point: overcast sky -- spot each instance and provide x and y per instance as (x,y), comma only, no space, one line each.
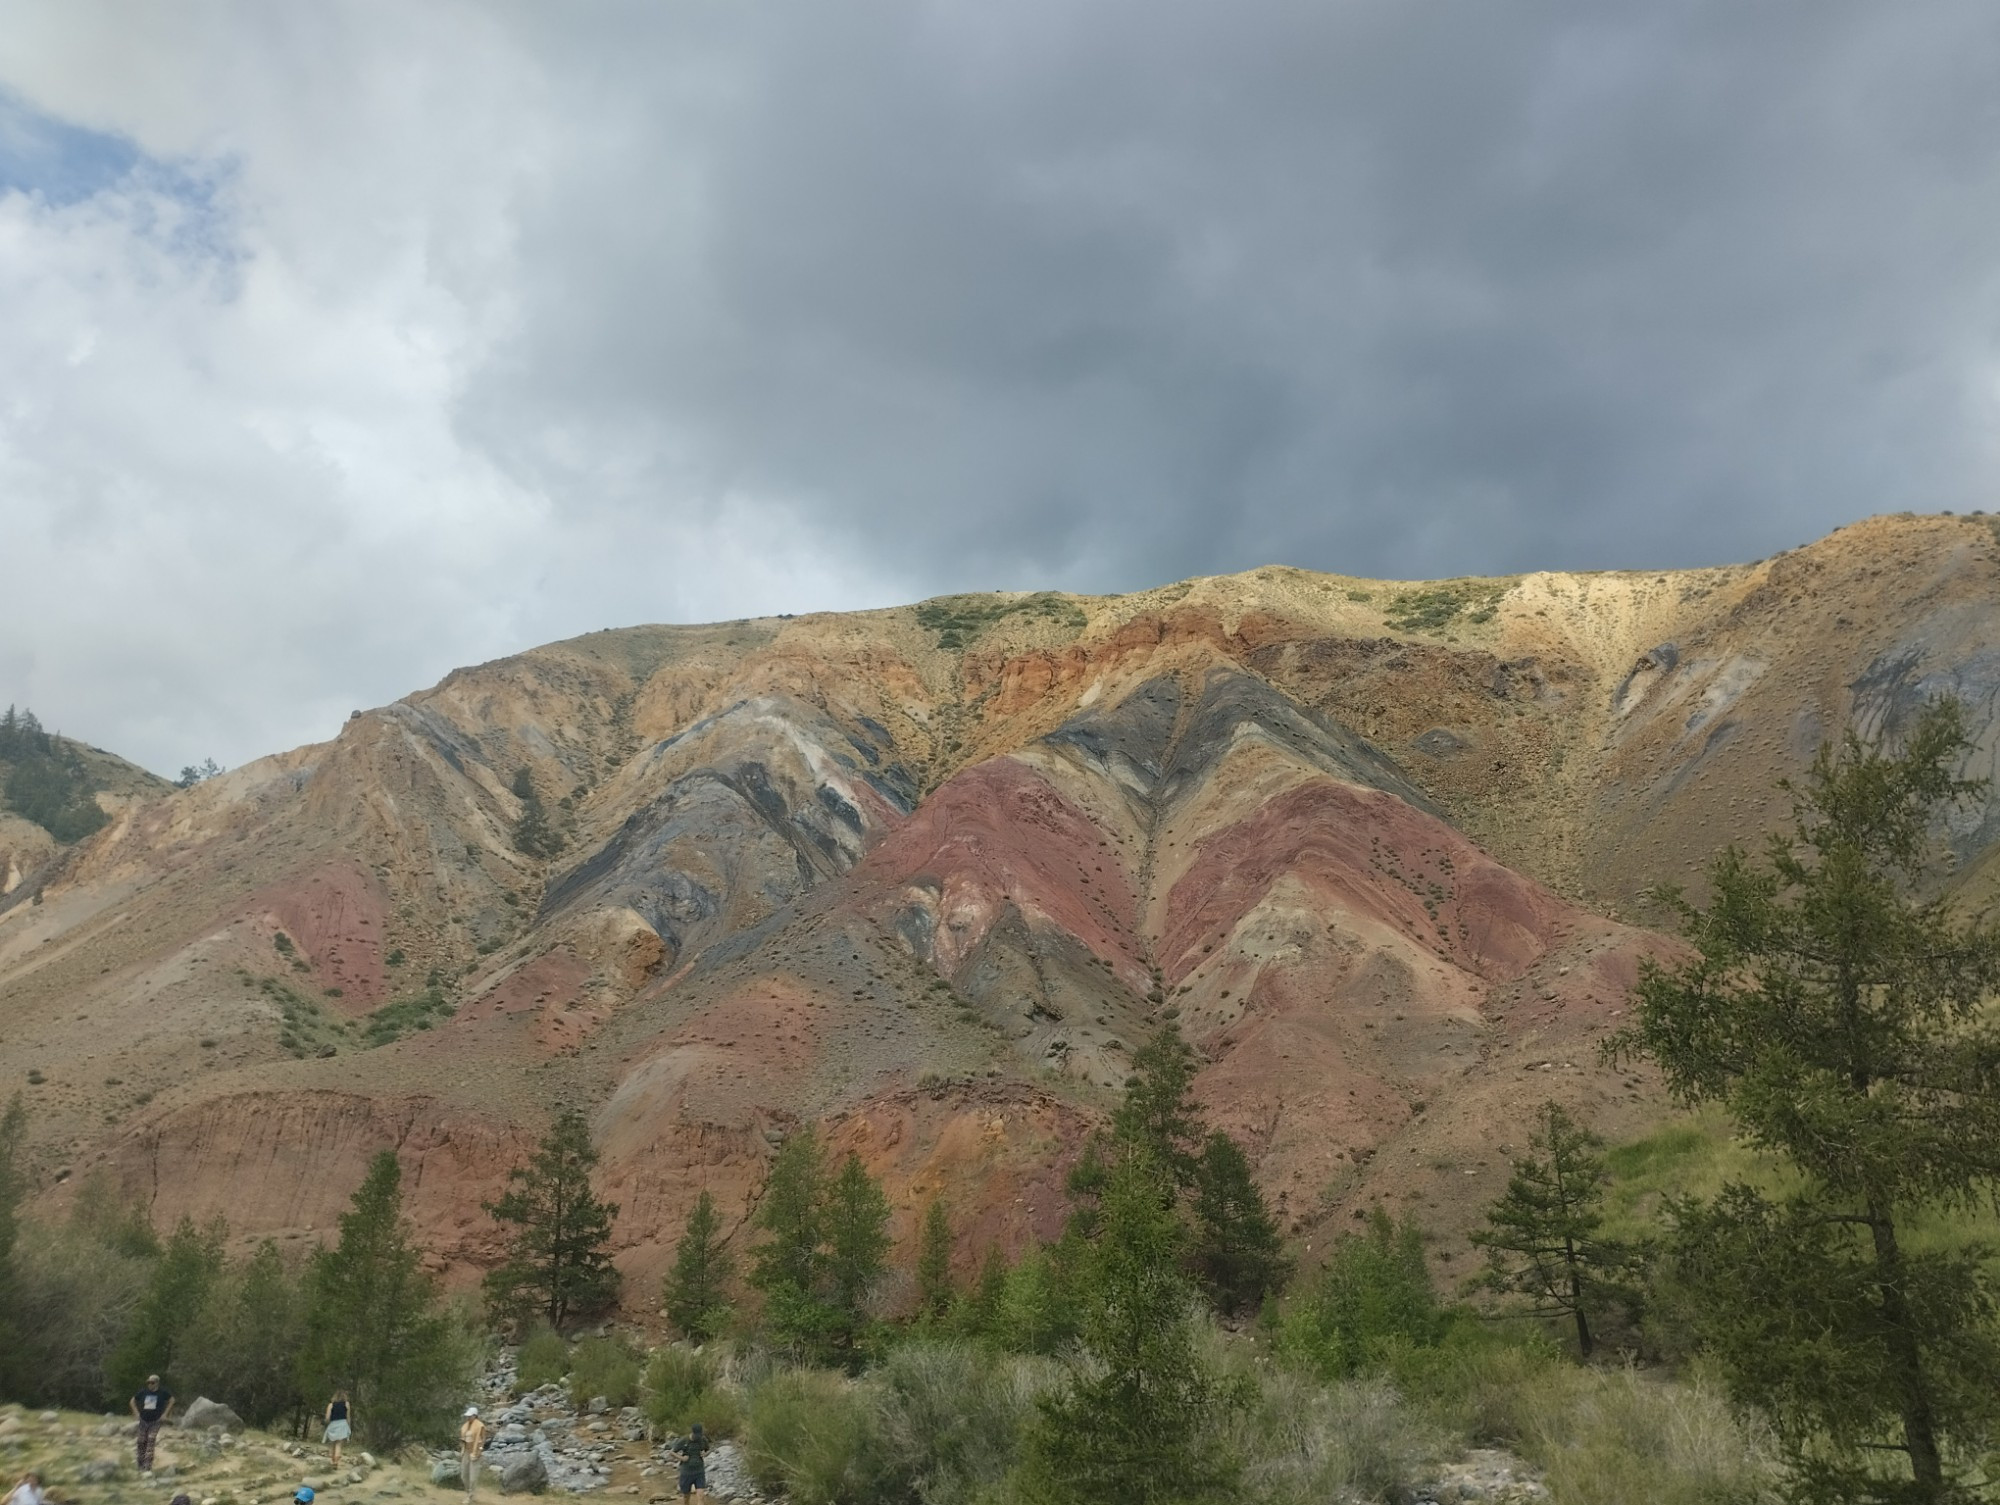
(344,343)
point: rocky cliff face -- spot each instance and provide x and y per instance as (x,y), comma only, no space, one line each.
(928,875)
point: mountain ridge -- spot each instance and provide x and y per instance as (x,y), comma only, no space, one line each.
(928,873)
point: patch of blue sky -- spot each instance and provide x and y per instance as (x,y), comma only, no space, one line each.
(175,203)
(56,161)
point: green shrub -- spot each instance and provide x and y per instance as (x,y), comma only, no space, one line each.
(406,1016)
(1373,1295)
(683,1387)
(1038,1310)
(543,1360)
(609,1367)
(1478,1380)
(953,1420)
(1304,1442)
(815,1437)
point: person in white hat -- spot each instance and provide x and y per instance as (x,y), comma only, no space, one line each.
(471,1443)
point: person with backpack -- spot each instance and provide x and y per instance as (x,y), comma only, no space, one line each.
(693,1453)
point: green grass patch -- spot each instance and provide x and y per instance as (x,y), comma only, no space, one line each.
(1432,608)
(305,1027)
(957,620)
(407,1016)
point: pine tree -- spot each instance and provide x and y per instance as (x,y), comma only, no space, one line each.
(182,1279)
(792,1212)
(1237,1254)
(1541,1238)
(826,1250)
(695,1293)
(979,1314)
(1844,1021)
(373,1326)
(559,1263)
(1137,1425)
(1159,1109)
(857,1236)
(935,1291)
(1372,1296)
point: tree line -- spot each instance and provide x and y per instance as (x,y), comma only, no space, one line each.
(47,780)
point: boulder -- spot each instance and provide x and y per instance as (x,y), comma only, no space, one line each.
(525,1475)
(445,1473)
(206,1413)
(98,1471)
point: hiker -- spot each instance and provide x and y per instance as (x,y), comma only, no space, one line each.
(150,1408)
(694,1464)
(338,1419)
(471,1443)
(28,1491)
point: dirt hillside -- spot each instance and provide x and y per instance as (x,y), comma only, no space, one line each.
(928,874)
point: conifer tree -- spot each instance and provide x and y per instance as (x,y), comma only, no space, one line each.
(826,1249)
(979,1315)
(695,1293)
(857,1235)
(1237,1254)
(1843,1018)
(1541,1238)
(181,1281)
(935,1291)
(793,1213)
(373,1326)
(559,1263)
(1159,1109)
(1137,1425)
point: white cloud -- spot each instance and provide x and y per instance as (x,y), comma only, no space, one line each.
(350,342)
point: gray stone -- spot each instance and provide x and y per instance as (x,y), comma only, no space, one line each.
(206,1413)
(445,1473)
(98,1471)
(525,1475)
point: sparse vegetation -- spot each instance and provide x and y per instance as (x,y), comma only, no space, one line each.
(1432,608)
(407,1016)
(534,834)
(957,620)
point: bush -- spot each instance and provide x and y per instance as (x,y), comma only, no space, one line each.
(683,1387)
(609,1367)
(1624,1435)
(74,1296)
(815,1437)
(1303,1442)
(543,1360)
(1479,1381)
(1373,1295)
(953,1419)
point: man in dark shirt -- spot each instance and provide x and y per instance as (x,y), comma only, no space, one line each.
(150,1406)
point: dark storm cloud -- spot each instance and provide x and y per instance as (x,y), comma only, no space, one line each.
(347,343)
(1115,292)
